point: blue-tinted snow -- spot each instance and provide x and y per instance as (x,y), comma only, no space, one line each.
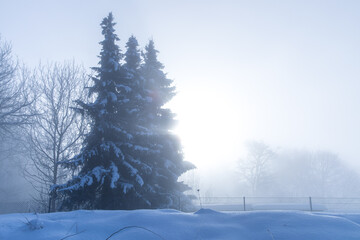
(174,225)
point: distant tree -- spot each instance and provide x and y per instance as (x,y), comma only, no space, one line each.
(110,176)
(312,173)
(327,172)
(349,183)
(57,130)
(293,173)
(16,99)
(254,169)
(13,157)
(166,159)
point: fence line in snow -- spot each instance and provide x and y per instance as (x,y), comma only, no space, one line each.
(316,204)
(281,203)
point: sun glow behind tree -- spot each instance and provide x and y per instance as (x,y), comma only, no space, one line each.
(209,125)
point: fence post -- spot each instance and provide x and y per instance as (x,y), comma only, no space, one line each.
(200,198)
(311,207)
(244,203)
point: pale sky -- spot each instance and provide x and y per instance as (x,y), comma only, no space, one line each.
(284,72)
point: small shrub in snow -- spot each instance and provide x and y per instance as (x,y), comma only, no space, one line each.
(35,224)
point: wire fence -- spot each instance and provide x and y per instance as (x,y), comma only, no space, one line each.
(280,203)
(316,204)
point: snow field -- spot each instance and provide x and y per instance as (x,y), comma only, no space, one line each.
(172,225)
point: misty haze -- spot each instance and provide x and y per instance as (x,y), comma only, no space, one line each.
(201,110)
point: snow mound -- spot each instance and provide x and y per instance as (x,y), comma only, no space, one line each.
(206,211)
(171,224)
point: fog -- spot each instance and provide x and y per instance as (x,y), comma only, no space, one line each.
(284,74)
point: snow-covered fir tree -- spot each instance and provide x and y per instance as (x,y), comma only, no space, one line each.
(130,159)
(166,159)
(110,174)
(132,68)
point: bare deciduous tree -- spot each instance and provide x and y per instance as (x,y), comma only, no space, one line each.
(300,173)
(15,97)
(328,173)
(57,131)
(254,168)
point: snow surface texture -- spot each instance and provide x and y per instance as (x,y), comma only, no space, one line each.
(172,225)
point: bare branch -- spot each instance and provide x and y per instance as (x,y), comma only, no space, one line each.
(15,94)
(58,130)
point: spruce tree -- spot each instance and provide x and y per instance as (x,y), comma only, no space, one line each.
(166,160)
(110,174)
(132,68)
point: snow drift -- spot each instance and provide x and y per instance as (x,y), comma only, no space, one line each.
(171,224)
